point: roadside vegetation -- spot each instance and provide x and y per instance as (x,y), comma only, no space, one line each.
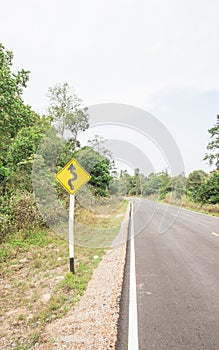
(35,285)
(198,191)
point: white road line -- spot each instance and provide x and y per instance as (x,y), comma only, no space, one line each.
(133,316)
(215,234)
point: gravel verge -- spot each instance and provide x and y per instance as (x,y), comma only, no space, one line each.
(93,323)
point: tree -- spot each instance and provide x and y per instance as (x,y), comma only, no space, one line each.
(136,183)
(165,184)
(125,183)
(24,146)
(21,153)
(213,146)
(99,145)
(178,185)
(209,191)
(77,122)
(14,114)
(194,181)
(67,112)
(151,185)
(100,177)
(98,167)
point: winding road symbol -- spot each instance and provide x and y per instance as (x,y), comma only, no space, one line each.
(72,169)
(73,176)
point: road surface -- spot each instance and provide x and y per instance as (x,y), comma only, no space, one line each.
(176,306)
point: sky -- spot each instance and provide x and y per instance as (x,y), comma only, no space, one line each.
(160,56)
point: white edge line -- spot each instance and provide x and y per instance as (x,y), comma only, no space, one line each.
(215,234)
(133,316)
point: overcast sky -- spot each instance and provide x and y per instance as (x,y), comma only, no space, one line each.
(162,56)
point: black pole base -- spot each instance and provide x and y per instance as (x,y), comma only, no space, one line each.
(72,265)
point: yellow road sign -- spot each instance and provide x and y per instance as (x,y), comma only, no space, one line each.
(72,176)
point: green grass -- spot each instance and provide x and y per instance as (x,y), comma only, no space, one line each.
(99,230)
(22,241)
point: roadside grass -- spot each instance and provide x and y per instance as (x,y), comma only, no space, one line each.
(36,286)
(98,230)
(209,209)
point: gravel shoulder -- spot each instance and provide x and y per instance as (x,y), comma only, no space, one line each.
(93,322)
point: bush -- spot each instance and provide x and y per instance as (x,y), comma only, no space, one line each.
(209,191)
(18,211)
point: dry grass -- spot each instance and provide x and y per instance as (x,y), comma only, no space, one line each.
(212,209)
(35,285)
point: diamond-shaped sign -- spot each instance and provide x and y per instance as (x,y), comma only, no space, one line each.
(73,176)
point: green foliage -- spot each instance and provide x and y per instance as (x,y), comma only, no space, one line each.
(179,186)
(213,147)
(50,149)
(209,191)
(14,114)
(3,172)
(165,185)
(45,167)
(98,167)
(24,145)
(194,181)
(20,157)
(66,153)
(135,184)
(124,183)
(151,185)
(18,211)
(100,177)
(156,185)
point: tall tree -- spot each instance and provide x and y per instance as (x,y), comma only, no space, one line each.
(14,114)
(213,146)
(67,111)
(125,183)
(194,181)
(165,184)
(136,183)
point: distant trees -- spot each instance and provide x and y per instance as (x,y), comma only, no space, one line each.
(199,186)
(213,146)
(154,185)
(151,185)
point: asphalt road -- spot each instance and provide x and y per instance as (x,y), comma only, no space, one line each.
(177,280)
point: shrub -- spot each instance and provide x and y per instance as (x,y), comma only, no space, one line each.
(18,211)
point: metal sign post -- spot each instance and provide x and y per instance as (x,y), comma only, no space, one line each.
(71,232)
(72,177)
